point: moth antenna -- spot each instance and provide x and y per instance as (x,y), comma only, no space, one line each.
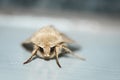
(57,61)
(33,53)
(70,52)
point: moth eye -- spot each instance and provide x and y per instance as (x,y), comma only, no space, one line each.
(52,49)
(41,49)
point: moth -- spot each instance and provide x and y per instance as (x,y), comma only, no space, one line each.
(48,43)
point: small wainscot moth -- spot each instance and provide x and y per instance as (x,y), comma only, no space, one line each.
(48,43)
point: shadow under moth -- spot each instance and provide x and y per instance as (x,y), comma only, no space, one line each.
(48,43)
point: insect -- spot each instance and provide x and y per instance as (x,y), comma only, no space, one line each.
(48,43)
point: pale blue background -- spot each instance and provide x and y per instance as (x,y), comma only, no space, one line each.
(101,51)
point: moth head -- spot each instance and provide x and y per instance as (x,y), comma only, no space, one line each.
(47,52)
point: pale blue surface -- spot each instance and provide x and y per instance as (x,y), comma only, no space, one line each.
(101,51)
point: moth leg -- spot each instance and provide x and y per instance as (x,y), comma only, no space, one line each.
(56,55)
(33,53)
(70,52)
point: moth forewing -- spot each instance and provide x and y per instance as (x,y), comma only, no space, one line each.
(47,42)
(28,45)
(66,38)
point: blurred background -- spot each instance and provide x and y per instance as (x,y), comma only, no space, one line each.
(104,6)
(66,13)
(93,24)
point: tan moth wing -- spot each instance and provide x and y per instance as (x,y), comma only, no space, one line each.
(66,38)
(28,44)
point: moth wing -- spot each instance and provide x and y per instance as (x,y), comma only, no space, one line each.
(66,38)
(28,45)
